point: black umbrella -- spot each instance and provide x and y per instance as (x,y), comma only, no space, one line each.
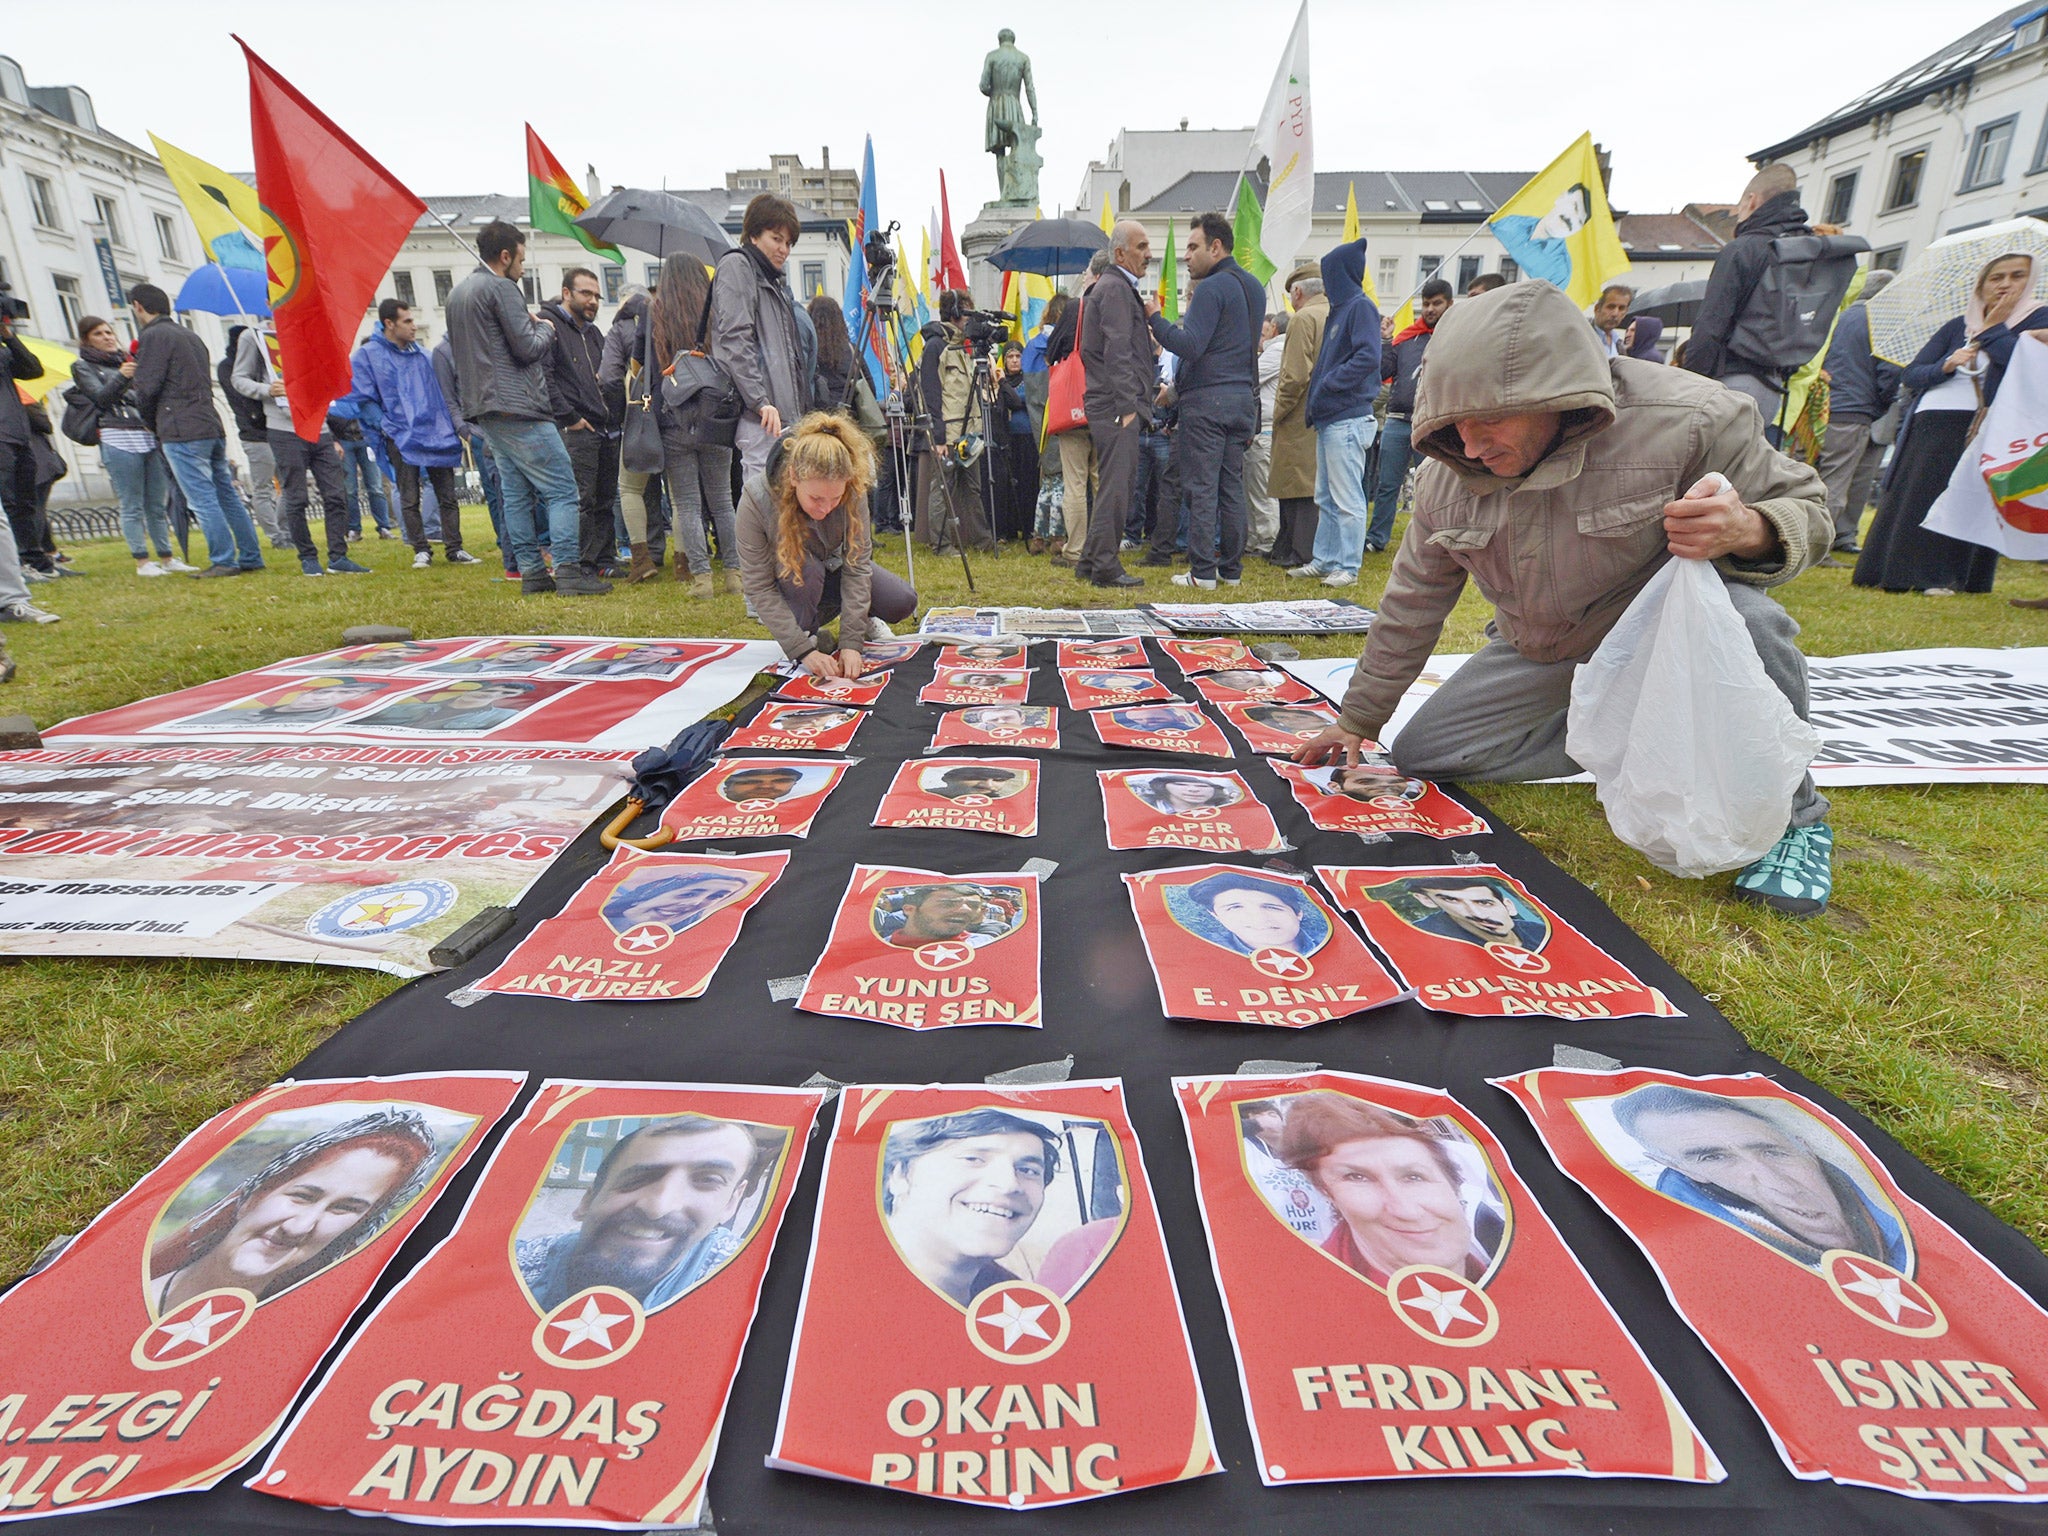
(1674,303)
(659,223)
(1049,247)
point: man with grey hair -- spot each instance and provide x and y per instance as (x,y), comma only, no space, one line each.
(1610,314)
(1116,353)
(1079,473)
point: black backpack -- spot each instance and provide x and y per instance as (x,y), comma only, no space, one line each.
(1792,307)
(248,414)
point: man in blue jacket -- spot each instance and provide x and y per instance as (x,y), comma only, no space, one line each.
(400,396)
(1861,388)
(1341,389)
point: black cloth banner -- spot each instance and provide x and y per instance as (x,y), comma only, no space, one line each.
(1101,1004)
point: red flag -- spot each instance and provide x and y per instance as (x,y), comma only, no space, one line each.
(338,219)
(952,274)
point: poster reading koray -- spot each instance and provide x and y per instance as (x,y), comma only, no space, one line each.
(989,1314)
(1471,939)
(921,950)
(1185,808)
(753,797)
(1399,1304)
(1375,799)
(786,727)
(1252,946)
(605,1273)
(1879,1348)
(1180,728)
(964,794)
(162,1348)
(647,925)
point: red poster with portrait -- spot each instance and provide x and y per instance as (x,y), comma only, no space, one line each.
(1033,727)
(989,1314)
(964,794)
(1278,730)
(646,926)
(162,1348)
(1878,1347)
(955,687)
(790,727)
(982,653)
(1103,687)
(1471,939)
(1375,799)
(1264,685)
(881,655)
(1161,728)
(753,797)
(1186,808)
(1092,655)
(922,950)
(605,1272)
(1252,946)
(859,692)
(1354,1221)
(1194,656)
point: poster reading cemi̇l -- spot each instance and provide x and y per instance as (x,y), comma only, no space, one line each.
(162,1348)
(1102,687)
(989,1314)
(1186,808)
(1375,799)
(924,950)
(1252,946)
(647,925)
(1032,726)
(1878,1347)
(964,794)
(789,727)
(1400,1305)
(753,797)
(605,1272)
(1089,655)
(1178,728)
(1471,939)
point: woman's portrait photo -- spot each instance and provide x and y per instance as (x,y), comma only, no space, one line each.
(1184,794)
(1245,913)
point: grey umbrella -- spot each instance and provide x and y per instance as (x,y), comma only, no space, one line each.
(659,223)
(1674,303)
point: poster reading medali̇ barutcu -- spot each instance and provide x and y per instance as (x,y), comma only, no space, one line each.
(1375,799)
(605,1272)
(989,1314)
(964,794)
(1400,1305)
(160,1350)
(753,797)
(1878,1346)
(1185,808)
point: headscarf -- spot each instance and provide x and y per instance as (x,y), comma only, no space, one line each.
(1973,312)
(1648,329)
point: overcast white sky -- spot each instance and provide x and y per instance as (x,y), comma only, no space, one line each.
(647,89)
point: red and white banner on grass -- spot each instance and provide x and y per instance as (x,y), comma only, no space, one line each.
(1252,947)
(784,727)
(162,1348)
(605,1272)
(753,797)
(1471,939)
(1101,688)
(1180,728)
(1091,655)
(1185,808)
(1399,1303)
(1879,1348)
(959,686)
(1375,799)
(989,1315)
(964,794)
(1034,727)
(1193,656)
(922,950)
(647,925)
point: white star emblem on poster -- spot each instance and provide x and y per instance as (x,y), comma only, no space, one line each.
(1017,1322)
(1879,1294)
(1442,1306)
(197,1327)
(644,939)
(1517,958)
(594,1327)
(945,955)
(1284,964)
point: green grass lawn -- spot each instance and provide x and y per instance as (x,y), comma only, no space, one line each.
(1920,997)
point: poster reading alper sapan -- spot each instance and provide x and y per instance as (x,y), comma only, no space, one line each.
(989,1315)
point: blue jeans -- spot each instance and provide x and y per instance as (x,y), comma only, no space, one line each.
(142,481)
(209,487)
(540,488)
(494,496)
(1395,456)
(1341,534)
(1155,452)
(361,458)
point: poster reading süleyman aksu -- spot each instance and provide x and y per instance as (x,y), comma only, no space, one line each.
(989,1315)
(1399,1304)
(605,1274)
(163,1346)
(1879,1347)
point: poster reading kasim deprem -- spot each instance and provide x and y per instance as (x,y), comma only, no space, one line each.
(753,797)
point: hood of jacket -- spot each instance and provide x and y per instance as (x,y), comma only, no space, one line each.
(1782,215)
(378,339)
(1526,348)
(1344,273)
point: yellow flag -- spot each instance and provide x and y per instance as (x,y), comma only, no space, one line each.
(1351,234)
(1559,228)
(223,208)
(1108,218)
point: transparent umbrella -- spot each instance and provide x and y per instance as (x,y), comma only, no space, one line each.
(1936,285)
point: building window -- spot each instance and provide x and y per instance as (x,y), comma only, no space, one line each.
(814,279)
(1904,190)
(653,270)
(401,288)
(444,281)
(530,286)
(107,214)
(1989,147)
(1468,268)
(1890,259)
(167,237)
(1390,274)
(614,277)
(1426,268)
(70,302)
(1841,198)
(42,202)
(1510,269)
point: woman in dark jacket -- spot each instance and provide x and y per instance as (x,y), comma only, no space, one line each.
(1956,374)
(760,335)
(697,476)
(626,387)
(835,354)
(128,452)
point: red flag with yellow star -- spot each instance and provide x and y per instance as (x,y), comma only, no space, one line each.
(337,219)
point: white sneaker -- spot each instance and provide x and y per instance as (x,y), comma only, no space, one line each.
(1190,579)
(1311,569)
(877,630)
(1341,579)
(422,560)
(461,557)
(150,568)
(178,565)
(1231,581)
(27,613)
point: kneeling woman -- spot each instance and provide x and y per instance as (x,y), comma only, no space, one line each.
(807,552)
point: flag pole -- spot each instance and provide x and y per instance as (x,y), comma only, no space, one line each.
(459,240)
(1441,262)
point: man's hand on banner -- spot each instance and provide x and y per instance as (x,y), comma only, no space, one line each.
(1332,743)
(822,664)
(1710,521)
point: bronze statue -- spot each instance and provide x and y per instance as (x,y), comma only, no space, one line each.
(1006,82)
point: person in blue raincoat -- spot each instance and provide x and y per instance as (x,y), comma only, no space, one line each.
(399,398)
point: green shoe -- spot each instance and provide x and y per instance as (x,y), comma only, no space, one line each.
(1796,877)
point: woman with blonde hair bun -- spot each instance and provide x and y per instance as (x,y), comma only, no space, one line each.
(807,551)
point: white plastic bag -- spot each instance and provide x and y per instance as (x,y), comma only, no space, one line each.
(1695,752)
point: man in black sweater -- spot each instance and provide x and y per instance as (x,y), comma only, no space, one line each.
(584,417)
(1116,354)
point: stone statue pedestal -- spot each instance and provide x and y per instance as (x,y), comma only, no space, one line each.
(991,227)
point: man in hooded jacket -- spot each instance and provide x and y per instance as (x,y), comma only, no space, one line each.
(1562,481)
(1341,391)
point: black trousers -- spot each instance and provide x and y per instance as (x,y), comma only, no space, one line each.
(1215,427)
(294,457)
(442,478)
(25,518)
(1116,463)
(1296,542)
(595,458)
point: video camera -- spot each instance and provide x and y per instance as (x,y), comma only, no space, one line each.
(11,308)
(881,263)
(986,331)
